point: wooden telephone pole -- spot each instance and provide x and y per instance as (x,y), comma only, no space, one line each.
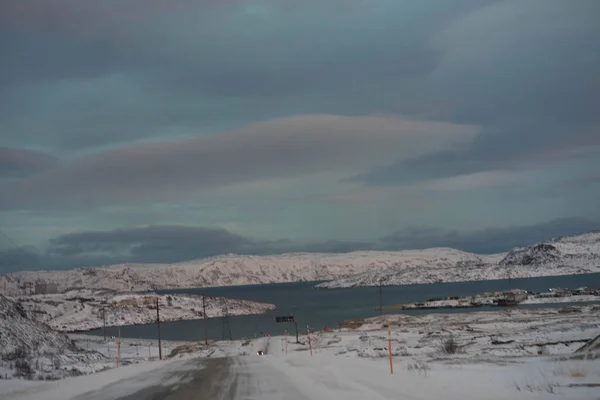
(119,348)
(158,326)
(205,320)
(380,298)
(104,319)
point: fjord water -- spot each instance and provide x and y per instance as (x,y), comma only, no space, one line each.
(328,307)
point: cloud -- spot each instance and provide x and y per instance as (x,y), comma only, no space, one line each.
(532,91)
(493,240)
(17,163)
(173,243)
(159,243)
(133,95)
(289,147)
(92,74)
(584,181)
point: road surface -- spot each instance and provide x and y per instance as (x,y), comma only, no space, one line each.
(232,378)
(294,375)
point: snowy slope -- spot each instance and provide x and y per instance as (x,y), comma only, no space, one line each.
(79,310)
(581,251)
(31,349)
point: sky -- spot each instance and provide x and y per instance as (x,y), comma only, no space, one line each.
(154,131)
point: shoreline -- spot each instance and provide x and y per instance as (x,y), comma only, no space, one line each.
(340,283)
(510,298)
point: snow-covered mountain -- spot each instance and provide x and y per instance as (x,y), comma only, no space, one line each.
(572,251)
(562,256)
(568,255)
(231,270)
(32,350)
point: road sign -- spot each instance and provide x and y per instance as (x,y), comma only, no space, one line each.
(287,318)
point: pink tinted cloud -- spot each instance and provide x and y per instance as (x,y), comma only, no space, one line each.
(283,148)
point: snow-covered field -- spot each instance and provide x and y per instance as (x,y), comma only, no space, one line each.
(84,309)
(563,256)
(512,354)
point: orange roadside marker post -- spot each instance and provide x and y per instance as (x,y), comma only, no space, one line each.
(309,343)
(390,346)
(119,347)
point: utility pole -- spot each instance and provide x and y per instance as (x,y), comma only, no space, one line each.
(158,326)
(205,320)
(119,348)
(380,298)
(104,319)
(296,323)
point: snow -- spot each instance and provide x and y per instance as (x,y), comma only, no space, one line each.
(511,354)
(31,349)
(11,386)
(558,300)
(141,375)
(80,310)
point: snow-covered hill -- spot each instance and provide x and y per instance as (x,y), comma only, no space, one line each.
(568,255)
(441,265)
(34,351)
(85,309)
(562,256)
(232,270)
(572,251)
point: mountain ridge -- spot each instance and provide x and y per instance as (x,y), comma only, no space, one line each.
(559,256)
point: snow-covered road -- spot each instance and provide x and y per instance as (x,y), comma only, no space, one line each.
(298,376)
(516,354)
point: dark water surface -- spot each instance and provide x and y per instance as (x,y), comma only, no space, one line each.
(327,307)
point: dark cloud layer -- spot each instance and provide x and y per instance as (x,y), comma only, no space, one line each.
(172,243)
